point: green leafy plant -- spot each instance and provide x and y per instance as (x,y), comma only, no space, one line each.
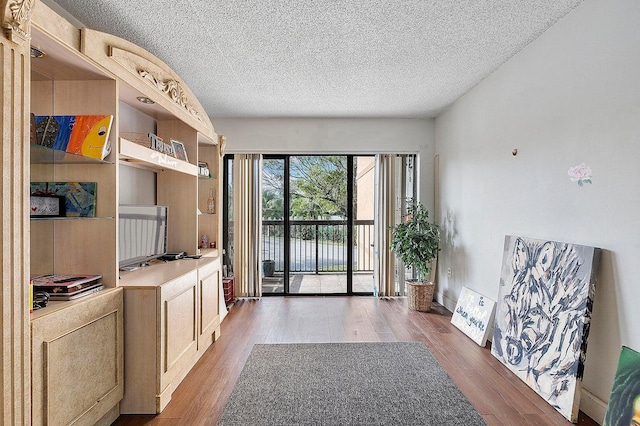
(416,240)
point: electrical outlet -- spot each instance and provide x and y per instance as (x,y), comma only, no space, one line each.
(449,272)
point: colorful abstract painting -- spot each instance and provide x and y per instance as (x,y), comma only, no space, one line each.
(543,316)
(86,135)
(624,402)
(80,197)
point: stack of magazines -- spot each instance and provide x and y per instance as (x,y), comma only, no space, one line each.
(67,287)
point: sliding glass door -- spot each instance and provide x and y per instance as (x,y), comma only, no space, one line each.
(319,214)
(316,234)
(274,225)
(317,222)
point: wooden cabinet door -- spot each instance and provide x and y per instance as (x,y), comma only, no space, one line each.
(77,361)
(178,332)
(209,278)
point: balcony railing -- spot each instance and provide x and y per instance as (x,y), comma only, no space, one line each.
(318,246)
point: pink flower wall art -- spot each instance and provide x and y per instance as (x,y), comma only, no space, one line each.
(580,173)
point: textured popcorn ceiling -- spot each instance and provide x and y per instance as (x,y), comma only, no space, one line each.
(355,58)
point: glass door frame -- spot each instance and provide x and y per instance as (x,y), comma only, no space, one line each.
(227,242)
(287,224)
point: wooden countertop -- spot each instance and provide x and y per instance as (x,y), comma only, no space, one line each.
(161,272)
(54,306)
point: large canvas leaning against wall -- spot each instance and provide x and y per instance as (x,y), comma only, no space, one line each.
(543,316)
(624,402)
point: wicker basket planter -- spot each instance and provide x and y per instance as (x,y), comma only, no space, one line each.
(416,241)
(420,296)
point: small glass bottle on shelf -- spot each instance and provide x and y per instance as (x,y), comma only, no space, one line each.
(211,203)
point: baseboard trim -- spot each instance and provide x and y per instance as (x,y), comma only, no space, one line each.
(592,406)
(446,302)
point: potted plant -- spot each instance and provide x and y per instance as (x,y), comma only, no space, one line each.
(268,267)
(417,241)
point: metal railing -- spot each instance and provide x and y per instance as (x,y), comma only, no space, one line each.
(318,246)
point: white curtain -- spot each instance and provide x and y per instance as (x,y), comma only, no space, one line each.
(393,187)
(385,212)
(247,202)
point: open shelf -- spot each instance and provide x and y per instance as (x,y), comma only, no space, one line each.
(56,305)
(209,252)
(71,218)
(43,155)
(132,152)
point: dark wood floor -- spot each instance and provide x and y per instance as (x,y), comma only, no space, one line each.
(497,394)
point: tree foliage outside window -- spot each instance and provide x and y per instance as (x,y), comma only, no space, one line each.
(272,189)
(319,187)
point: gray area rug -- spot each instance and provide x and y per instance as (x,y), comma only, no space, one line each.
(397,383)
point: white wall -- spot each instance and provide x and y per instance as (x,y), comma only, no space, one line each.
(572,96)
(336,136)
(137,186)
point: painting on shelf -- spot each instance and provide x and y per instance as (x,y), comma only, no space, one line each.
(80,197)
(543,316)
(624,402)
(86,135)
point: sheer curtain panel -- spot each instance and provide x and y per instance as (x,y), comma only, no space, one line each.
(247,201)
(394,185)
(385,207)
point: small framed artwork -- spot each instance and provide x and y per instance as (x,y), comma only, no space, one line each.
(203,168)
(78,198)
(178,148)
(47,206)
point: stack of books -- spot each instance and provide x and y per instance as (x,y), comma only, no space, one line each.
(67,287)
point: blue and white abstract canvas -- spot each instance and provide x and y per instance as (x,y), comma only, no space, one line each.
(543,316)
